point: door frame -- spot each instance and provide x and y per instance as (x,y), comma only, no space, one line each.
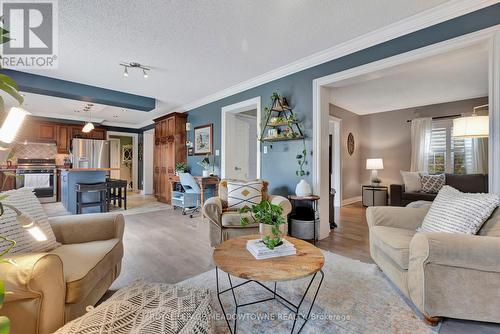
(135,152)
(148,161)
(336,123)
(254,103)
(118,140)
(321,100)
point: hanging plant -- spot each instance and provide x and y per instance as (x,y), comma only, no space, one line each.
(302,161)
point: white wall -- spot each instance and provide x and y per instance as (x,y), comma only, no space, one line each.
(148,152)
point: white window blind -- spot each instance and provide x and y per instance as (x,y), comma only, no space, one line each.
(447,154)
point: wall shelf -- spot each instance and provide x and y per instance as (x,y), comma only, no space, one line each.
(282,139)
(281,123)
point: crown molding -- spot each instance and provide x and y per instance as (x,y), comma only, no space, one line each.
(427,18)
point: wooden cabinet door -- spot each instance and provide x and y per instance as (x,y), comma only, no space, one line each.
(164,173)
(157,132)
(170,127)
(163,130)
(157,170)
(98,134)
(63,139)
(47,131)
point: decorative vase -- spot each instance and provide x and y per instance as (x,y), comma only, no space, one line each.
(303,189)
(267,230)
(206,173)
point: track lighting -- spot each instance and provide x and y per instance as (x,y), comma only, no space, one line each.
(126,66)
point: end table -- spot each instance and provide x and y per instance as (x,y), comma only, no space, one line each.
(313,200)
(374,195)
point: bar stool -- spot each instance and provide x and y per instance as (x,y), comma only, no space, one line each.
(117,191)
(100,187)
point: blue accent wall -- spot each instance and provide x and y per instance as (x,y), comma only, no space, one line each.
(279,164)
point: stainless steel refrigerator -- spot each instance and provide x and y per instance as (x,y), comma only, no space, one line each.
(90,153)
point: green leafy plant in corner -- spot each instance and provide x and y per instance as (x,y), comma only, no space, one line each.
(265,213)
(181,167)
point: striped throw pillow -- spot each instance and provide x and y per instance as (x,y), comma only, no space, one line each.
(25,201)
(243,194)
(455,212)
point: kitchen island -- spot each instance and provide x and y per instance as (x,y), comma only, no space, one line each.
(69,179)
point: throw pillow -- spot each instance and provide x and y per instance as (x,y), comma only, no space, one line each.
(432,183)
(456,212)
(412,181)
(25,201)
(241,194)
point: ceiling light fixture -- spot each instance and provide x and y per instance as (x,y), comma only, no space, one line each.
(127,65)
(89,126)
(473,126)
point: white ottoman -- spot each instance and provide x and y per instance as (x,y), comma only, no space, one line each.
(148,308)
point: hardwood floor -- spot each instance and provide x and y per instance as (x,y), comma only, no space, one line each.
(350,238)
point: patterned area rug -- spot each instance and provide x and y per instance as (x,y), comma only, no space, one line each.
(355,298)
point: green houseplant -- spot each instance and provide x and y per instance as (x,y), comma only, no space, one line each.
(181,167)
(267,215)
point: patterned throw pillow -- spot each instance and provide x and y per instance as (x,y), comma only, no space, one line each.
(432,183)
(456,212)
(25,201)
(241,194)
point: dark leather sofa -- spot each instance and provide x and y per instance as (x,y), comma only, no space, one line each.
(469,183)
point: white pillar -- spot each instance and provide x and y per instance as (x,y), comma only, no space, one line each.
(494,113)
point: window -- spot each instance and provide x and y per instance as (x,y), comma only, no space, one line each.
(448,154)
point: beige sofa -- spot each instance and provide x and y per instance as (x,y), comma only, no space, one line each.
(226,224)
(445,275)
(46,290)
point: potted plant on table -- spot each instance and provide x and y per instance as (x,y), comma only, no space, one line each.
(270,219)
(206,163)
(180,167)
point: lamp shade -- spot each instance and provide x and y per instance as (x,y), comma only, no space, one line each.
(374,164)
(89,126)
(471,127)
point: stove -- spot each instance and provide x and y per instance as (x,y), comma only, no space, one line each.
(39,174)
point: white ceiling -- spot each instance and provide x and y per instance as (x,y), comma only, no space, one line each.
(198,47)
(452,76)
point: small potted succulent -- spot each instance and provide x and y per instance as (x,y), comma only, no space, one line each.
(180,167)
(270,219)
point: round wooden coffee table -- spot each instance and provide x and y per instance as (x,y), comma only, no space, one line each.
(233,258)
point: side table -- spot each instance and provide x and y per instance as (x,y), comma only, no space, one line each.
(313,200)
(374,195)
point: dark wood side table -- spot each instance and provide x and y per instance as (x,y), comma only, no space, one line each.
(374,195)
(313,200)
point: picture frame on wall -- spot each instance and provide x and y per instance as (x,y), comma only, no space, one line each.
(203,139)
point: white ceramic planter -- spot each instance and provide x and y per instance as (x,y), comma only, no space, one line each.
(206,173)
(303,189)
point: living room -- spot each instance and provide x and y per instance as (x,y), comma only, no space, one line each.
(193,167)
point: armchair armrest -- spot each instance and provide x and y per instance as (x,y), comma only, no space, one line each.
(456,250)
(87,227)
(283,202)
(37,282)
(212,209)
(393,216)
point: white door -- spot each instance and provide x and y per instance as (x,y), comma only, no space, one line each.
(114,155)
(237,149)
(148,147)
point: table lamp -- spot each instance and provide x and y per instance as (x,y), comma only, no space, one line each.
(374,165)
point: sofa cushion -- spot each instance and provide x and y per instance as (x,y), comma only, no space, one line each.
(393,242)
(232,219)
(418,196)
(85,264)
(468,183)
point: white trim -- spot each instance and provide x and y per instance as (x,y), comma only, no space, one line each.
(147,162)
(352,200)
(321,92)
(237,108)
(494,113)
(135,152)
(337,158)
(432,16)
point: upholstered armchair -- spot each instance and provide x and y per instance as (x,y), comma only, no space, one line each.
(444,274)
(46,290)
(225,223)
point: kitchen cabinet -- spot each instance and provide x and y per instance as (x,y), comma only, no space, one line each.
(170,148)
(7,182)
(47,132)
(63,139)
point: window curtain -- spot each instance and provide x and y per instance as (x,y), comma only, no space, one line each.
(420,144)
(478,163)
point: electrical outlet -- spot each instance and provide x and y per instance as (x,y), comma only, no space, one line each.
(265,149)
(217,153)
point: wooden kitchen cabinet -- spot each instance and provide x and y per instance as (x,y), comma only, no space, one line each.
(63,139)
(10,181)
(47,131)
(170,148)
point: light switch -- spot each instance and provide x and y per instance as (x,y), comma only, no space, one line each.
(217,153)
(265,149)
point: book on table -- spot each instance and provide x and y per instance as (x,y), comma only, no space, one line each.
(260,251)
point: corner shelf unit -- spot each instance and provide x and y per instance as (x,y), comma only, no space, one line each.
(286,129)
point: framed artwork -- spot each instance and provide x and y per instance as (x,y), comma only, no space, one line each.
(203,139)
(350,143)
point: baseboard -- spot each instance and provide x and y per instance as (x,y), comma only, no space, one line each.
(351,200)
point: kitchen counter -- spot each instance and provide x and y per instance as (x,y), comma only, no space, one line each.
(88,169)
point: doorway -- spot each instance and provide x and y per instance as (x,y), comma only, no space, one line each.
(335,162)
(126,157)
(240,147)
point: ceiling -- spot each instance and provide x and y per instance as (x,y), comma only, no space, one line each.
(199,47)
(454,76)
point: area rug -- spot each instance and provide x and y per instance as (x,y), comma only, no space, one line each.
(355,298)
